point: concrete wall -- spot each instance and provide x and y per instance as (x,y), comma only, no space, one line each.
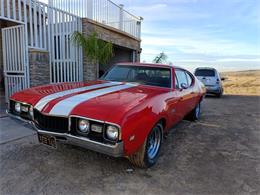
(124,45)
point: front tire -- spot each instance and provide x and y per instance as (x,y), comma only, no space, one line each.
(147,155)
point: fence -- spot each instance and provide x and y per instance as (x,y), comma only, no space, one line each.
(102,11)
(48,28)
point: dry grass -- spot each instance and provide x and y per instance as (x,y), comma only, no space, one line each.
(242,82)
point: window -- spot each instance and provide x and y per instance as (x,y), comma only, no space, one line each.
(119,73)
(176,82)
(189,79)
(146,75)
(181,77)
(205,73)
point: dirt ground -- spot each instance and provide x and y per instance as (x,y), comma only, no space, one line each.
(220,154)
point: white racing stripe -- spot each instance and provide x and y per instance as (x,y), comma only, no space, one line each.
(45,100)
(63,108)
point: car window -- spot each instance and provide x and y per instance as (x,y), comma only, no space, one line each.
(205,73)
(155,76)
(119,74)
(189,79)
(176,82)
(181,77)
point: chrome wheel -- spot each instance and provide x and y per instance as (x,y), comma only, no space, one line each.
(154,142)
(197,111)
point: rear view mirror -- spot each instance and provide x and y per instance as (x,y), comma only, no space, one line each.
(184,86)
(223,78)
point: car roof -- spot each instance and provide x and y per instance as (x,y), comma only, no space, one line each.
(148,64)
(205,68)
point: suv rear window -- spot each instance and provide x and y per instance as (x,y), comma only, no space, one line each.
(205,73)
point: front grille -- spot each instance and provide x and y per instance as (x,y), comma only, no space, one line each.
(50,123)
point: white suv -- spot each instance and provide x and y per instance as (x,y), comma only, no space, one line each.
(211,79)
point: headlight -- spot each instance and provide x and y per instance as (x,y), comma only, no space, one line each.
(112,132)
(83,126)
(17,107)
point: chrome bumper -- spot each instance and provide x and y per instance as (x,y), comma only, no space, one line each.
(213,89)
(116,150)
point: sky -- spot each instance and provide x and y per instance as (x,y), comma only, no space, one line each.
(224,34)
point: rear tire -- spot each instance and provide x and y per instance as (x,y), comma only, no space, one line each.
(219,95)
(147,155)
(195,113)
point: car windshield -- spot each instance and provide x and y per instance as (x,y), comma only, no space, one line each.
(154,76)
(205,73)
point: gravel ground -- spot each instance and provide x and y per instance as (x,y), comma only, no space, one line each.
(220,154)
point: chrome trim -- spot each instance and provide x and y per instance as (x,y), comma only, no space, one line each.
(20,102)
(18,117)
(46,114)
(115,150)
(24,103)
(99,121)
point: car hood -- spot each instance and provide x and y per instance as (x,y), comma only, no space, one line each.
(100,100)
(114,106)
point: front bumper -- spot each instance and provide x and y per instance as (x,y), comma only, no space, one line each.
(116,150)
(213,89)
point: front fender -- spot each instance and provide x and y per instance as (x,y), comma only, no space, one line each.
(137,125)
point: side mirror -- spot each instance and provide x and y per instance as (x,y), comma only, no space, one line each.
(184,86)
(223,78)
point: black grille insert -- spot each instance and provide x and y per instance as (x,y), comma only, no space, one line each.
(50,123)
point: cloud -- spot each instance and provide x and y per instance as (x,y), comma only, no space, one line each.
(164,12)
(199,45)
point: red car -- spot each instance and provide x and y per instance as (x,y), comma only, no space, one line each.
(123,114)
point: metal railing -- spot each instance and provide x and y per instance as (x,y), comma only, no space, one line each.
(102,11)
(48,28)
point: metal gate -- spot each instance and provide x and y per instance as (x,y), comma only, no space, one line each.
(15,59)
(65,57)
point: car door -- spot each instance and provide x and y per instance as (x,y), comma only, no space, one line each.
(182,92)
(191,92)
(174,109)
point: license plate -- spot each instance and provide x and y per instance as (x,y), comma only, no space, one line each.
(47,140)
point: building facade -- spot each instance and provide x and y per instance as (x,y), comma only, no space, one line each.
(35,44)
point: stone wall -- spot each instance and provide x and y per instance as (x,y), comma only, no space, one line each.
(39,67)
(120,39)
(108,33)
